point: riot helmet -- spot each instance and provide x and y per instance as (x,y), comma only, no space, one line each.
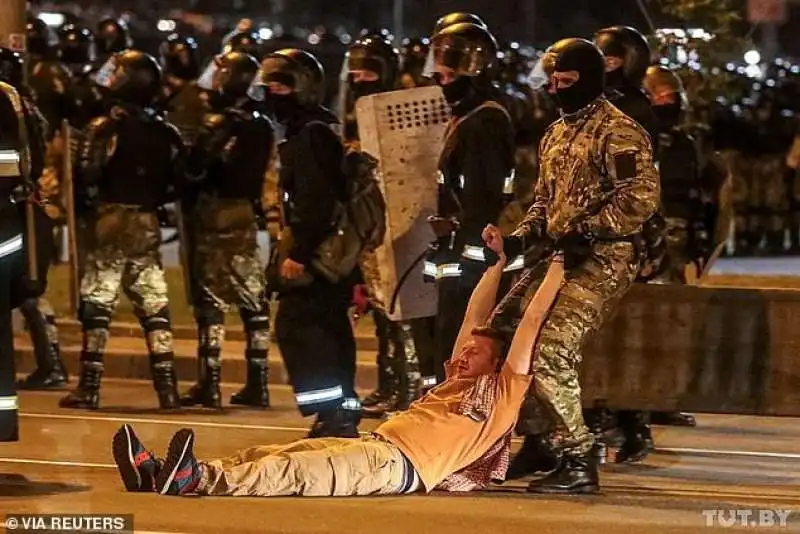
(458,17)
(666,93)
(77,45)
(414,54)
(371,66)
(460,59)
(247,42)
(293,69)
(42,41)
(628,45)
(179,57)
(112,36)
(228,77)
(574,71)
(132,77)
(11,68)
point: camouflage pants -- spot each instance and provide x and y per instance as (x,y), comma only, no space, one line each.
(677,243)
(590,295)
(229,272)
(126,257)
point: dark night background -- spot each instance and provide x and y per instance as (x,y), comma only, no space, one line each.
(538,22)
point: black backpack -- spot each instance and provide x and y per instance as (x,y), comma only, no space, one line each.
(359,222)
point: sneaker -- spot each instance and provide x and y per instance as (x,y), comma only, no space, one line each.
(180,473)
(137,466)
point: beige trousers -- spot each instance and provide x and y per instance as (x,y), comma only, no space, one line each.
(310,467)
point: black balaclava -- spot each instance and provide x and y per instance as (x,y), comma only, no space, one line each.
(668,115)
(457,90)
(584,57)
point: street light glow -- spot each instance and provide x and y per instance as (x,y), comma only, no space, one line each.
(752,57)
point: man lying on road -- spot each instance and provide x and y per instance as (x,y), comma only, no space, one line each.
(457,437)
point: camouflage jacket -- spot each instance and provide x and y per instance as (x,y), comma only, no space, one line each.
(596,175)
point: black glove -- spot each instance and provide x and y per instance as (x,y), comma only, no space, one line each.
(577,247)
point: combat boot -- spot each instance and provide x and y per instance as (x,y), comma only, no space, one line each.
(207,391)
(50,374)
(165,382)
(383,394)
(339,423)
(576,474)
(255,392)
(638,438)
(672,419)
(407,371)
(535,456)
(87,395)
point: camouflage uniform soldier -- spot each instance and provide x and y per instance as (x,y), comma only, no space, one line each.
(134,157)
(229,161)
(596,188)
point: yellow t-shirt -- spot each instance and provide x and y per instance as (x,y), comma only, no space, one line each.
(439,441)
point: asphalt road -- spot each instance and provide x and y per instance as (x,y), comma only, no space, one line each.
(63,465)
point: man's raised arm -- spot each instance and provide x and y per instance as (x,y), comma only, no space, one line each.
(521,352)
(484,297)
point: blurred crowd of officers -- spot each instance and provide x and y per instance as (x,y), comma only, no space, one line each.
(247,138)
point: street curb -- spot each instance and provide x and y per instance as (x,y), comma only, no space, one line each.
(70,329)
(136,366)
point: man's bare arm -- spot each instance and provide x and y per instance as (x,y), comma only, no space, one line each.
(522,347)
(484,297)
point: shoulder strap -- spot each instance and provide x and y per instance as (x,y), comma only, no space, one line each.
(455,122)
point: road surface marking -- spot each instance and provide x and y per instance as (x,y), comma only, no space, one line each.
(3,524)
(54,462)
(176,422)
(721,452)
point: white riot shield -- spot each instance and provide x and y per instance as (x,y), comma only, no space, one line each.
(404,131)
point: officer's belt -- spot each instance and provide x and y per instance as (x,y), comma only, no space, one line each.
(11,246)
(9,164)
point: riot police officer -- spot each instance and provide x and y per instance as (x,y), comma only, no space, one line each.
(227,163)
(79,53)
(48,78)
(372,66)
(112,36)
(627,56)
(22,154)
(474,169)
(39,314)
(414,53)
(180,95)
(458,17)
(312,327)
(133,157)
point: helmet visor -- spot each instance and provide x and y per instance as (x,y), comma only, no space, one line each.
(272,70)
(454,53)
(111,75)
(543,71)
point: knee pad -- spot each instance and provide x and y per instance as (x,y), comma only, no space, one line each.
(158,321)
(208,316)
(94,317)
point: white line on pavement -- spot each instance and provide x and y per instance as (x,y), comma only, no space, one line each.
(3,525)
(54,462)
(175,422)
(723,452)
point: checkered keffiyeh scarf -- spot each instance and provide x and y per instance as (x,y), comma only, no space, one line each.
(477,405)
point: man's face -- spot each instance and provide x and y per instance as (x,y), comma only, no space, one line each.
(478,357)
(563,80)
(662,95)
(444,75)
(362,76)
(277,88)
(613,63)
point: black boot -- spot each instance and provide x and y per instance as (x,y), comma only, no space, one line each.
(335,424)
(50,375)
(383,393)
(87,395)
(638,438)
(255,392)
(672,419)
(165,382)
(577,474)
(598,420)
(206,392)
(407,369)
(535,456)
